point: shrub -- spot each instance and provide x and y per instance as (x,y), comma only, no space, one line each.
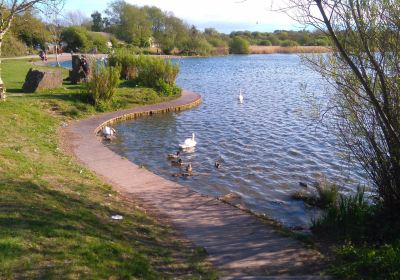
(265,43)
(239,45)
(12,46)
(76,39)
(288,43)
(98,41)
(362,262)
(156,73)
(103,83)
(348,218)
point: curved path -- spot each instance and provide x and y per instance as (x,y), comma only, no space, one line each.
(240,245)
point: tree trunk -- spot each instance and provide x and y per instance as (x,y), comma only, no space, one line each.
(2,87)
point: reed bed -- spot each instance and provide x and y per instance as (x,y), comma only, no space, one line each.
(295,49)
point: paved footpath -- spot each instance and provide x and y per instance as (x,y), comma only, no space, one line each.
(239,244)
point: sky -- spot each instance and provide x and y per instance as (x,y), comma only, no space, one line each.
(224,15)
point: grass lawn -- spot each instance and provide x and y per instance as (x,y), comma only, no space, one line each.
(55,214)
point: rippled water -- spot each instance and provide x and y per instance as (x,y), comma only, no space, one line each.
(267,144)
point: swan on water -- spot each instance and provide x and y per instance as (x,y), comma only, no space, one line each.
(189,143)
(240,96)
(108,133)
(174,156)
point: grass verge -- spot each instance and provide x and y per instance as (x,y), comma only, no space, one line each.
(55,215)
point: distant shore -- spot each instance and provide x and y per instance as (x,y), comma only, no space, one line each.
(296,49)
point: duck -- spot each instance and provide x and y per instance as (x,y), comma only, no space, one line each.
(189,143)
(240,96)
(177,162)
(189,168)
(174,156)
(217,164)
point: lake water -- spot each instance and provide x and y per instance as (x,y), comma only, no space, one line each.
(266,145)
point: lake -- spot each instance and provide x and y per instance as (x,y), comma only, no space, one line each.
(266,145)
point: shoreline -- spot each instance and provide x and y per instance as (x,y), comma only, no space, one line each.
(227,233)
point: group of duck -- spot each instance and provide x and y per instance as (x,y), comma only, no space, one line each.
(176,160)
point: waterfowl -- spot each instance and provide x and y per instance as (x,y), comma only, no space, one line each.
(177,162)
(189,168)
(189,143)
(241,96)
(302,184)
(108,131)
(174,156)
(217,164)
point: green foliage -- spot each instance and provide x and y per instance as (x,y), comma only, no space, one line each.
(79,39)
(265,43)
(98,41)
(368,263)
(348,218)
(147,71)
(103,83)
(326,196)
(97,22)
(238,45)
(76,39)
(167,89)
(30,30)
(12,46)
(288,43)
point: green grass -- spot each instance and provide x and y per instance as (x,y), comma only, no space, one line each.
(55,214)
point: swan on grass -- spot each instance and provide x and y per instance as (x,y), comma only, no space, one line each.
(241,96)
(189,143)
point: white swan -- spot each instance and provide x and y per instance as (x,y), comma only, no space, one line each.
(108,131)
(240,96)
(189,143)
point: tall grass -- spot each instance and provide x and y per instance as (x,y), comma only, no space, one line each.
(153,72)
(102,83)
(288,49)
(348,218)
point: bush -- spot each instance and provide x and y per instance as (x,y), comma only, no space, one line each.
(239,45)
(103,83)
(76,39)
(147,71)
(362,262)
(288,43)
(98,41)
(265,43)
(349,218)
(12,46)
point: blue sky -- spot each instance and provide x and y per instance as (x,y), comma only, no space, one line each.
(224,15)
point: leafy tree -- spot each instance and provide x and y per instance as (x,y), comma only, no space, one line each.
(76,39)
(364,70)
(98,24)
(30,30)
(9,9)
(238,45)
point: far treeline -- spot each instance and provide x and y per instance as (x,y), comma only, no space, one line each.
(141,29)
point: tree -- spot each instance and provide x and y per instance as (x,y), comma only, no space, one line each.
(11,8)
(238,45)
(364,70)
(97,20)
